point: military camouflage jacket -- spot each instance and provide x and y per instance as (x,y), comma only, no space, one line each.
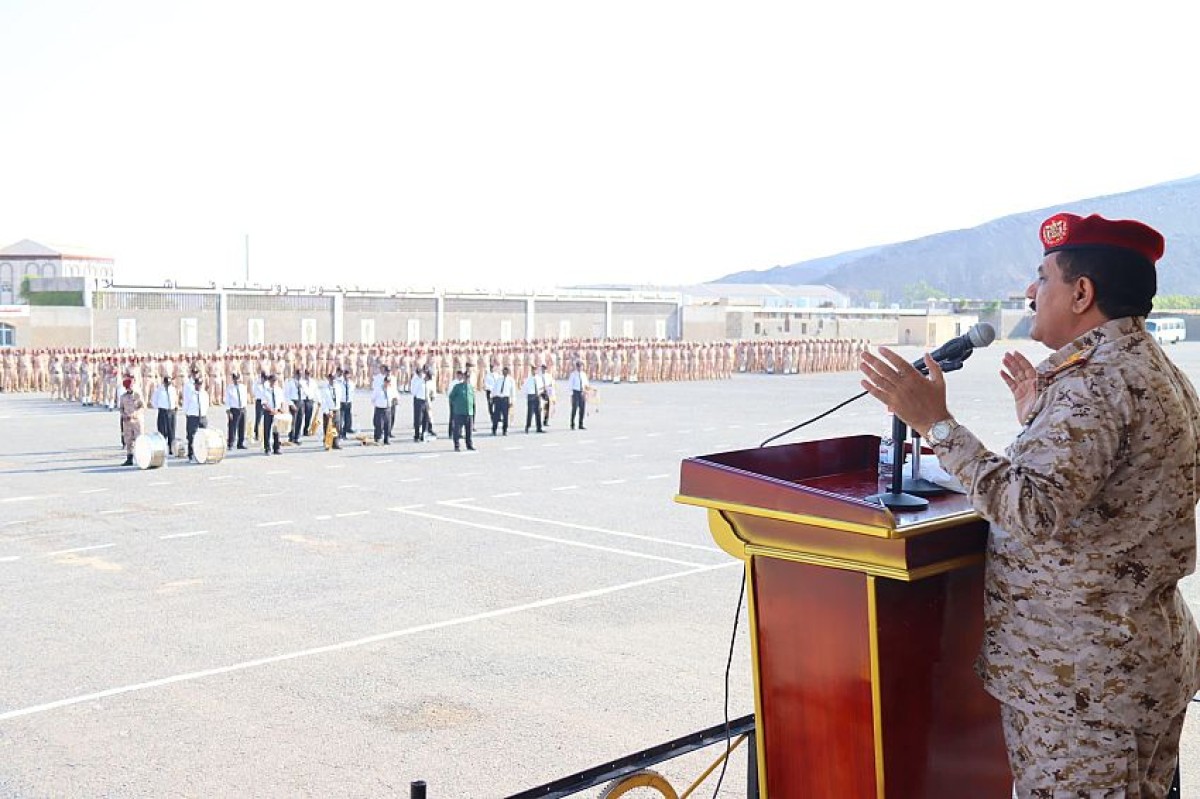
(1093,520)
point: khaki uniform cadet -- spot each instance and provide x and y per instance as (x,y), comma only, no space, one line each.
(130,404)
(1088,643)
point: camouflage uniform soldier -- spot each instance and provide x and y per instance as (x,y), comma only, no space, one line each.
(1088,643)
(130,404)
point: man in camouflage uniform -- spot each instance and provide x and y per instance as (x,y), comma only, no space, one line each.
(130,404)
(1088,643)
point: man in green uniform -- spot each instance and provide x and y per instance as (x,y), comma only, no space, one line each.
(1088,643)
(462,409)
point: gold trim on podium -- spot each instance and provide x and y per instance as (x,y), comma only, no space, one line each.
(876,694)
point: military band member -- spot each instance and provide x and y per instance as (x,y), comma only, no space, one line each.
(235,410)
(330,412)
(195,409)
(578,382)
(166,401)
(260,384)
(273,403)
(130,405)
(503,394)
(1088,644)
(381,400)
(535,390)
(291,392)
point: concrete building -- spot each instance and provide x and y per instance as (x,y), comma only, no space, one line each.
(29,259)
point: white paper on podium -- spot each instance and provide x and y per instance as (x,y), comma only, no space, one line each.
(932,471)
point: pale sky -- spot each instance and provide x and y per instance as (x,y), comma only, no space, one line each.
(525,144)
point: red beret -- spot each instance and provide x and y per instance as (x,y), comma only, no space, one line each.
(1071,232)
(127,382)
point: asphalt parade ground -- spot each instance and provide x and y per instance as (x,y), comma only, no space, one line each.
(341,623)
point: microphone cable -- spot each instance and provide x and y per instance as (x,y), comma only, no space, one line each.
(837,407)
(728,665)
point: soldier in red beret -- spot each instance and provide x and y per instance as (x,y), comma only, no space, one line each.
(1088,644)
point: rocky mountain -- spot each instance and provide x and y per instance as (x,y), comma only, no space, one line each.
(996,260)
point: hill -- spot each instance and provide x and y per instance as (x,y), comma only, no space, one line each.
(997,259)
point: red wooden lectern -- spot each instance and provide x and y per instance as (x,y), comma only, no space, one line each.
(864,625)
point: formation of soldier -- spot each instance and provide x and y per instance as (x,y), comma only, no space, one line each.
(93,376)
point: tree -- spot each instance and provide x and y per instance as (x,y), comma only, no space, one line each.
(916,293)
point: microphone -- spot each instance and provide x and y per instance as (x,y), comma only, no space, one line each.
(957,350)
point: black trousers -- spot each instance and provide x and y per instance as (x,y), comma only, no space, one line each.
(578,403)
(194,423)
(500,408)
(258,416)
(297,412)
(382,428)
(392,418)
(460,422)
(308,415)
(237,427)
(166,427)
(270,437)
(420,418)
(347,419)
(533,410)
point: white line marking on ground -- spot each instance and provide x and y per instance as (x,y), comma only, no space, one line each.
(274,524)
(111,511)
(550,538)
(10,558)
(584,460)
(532,466)
(552,444)
(92,490)
(29,498)
(468,474)
(590,528)
(506,494)
(412,479)
(621,438)
(402,508)
(512,449)
(351,513)
(683,432)
(657,476)
(342,488)
(78,549)
(271,494)
(587,441)
(160,483)
(635,455)
(279,471)
(611,482)
(564,488)
(385,460)
(359,642)
(680,451)
(430,455)
(707,429)
(183,535)
(222,477)
(188,502)
(339,465)
(456,501)
(322,518)
(653,435)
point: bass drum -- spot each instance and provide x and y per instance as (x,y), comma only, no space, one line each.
(283,424)
(209,446)
(149,451)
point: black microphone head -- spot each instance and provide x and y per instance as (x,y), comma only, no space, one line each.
(981,335)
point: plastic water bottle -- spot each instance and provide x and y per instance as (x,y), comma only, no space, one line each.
(886,463)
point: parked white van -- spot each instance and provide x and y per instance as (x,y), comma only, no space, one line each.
(1167,329)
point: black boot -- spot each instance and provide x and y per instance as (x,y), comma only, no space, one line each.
(128,460)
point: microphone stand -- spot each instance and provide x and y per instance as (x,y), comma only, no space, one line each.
(899,498)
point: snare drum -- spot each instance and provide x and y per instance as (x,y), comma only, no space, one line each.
(149,451)
(283,424)
(209,446)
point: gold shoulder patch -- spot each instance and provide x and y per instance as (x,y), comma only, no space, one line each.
(1077,359)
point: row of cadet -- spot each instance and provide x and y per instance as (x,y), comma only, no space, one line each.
(293,409)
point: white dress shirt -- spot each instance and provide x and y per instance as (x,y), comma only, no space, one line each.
(417,387)
(235,396)
(505,387)
(165,398)
(196,403)
(535,384)
(578,380)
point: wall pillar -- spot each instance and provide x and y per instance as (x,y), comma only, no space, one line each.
(339,318)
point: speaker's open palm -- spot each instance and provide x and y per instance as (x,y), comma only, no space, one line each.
(1021,378)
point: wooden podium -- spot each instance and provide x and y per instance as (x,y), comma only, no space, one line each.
(864,625)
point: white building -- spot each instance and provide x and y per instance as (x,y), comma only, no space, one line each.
(30,259)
